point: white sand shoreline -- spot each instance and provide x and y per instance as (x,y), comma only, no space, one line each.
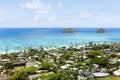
(50,48)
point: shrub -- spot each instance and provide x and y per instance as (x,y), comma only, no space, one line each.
(31,70)
(20,75)
(101,61)
(8,65)
(50,77)
(47,65)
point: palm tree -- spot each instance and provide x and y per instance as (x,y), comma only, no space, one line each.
(6,49)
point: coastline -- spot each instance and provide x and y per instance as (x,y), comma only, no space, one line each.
(9,52)
(46,49)
(34,37)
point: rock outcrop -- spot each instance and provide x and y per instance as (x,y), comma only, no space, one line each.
(101,30)
(69,30)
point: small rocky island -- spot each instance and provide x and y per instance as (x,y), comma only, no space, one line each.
(68,30)
(101,30)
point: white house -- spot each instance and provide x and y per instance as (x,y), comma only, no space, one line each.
(117,72)
(101,74)
(65,66)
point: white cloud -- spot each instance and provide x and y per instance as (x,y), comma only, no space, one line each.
(3,16)
(31,5)
(51,19)
(60,4)
(37,17)
(39,10)
(85,16)
(38,6)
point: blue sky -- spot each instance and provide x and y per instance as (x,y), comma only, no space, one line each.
(59,13)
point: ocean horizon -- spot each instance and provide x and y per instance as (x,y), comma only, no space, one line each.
(12,38)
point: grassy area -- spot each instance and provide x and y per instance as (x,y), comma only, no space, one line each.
(109,78)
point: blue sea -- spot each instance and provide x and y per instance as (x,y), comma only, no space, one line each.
(34,37)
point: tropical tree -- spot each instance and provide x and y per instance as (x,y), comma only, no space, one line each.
(20,74)
(101,61)
(47,65)
(8,65)
(31,70)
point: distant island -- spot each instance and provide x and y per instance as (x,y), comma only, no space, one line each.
(101,30)
(68,30)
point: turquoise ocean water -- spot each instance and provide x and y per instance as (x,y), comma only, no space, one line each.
(34,37)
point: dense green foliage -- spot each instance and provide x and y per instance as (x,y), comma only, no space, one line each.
(47,65)
(31,70)
(8,65)
(20,75)
(101,61)
(67,74)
